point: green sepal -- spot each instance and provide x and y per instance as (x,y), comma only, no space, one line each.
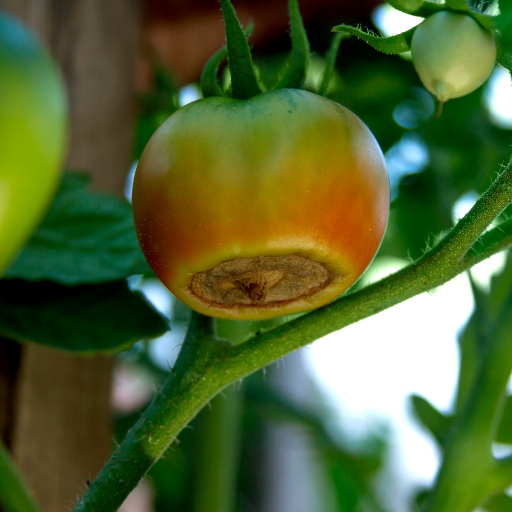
(457,5)
(424,9)
(390,45)
(484,20)
(416,7)
(330,64)
(244,83)
(298,63)
(209,82)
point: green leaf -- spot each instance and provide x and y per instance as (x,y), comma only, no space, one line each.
(416,7)
(244,84)
(503,34)
(85,318)
(15,495)
(390,45)
(85,238)
(298,63)
(504,434)
(504,56)
(499,503)
(435,421)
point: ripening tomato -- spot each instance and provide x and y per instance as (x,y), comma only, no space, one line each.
(452,54)
(32,134)
(258,208)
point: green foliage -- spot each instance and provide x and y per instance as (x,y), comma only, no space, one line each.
(498,503)
(68,288)
(85,238)
(14,493)
(436,422)
(84,318)
(389,45)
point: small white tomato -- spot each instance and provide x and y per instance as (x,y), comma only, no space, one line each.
(452,54)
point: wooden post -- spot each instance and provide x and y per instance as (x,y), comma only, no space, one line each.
(62,434)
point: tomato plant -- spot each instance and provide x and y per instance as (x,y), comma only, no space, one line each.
(32,134)
(256,208)
(452,54)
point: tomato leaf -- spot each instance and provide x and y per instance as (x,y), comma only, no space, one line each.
(86,318)
(298,63)
(503,34)
(435,421)
(498,503)
(85,238)
(390,45)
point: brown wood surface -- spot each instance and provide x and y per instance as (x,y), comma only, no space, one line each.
(10,353)
(62,431)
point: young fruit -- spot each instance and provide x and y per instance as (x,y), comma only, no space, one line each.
(32,134)
(258,208)
(452,54)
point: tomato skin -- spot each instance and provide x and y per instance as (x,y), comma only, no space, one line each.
(33,120)
(285,172)
(452,54)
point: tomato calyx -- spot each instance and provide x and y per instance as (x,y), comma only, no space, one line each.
(244,82)
(260,281)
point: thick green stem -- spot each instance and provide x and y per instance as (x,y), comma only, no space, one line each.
(14,493)
(469,472)
(218,453)
(206,366)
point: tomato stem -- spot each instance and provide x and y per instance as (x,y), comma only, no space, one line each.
(205,365)
(244,84)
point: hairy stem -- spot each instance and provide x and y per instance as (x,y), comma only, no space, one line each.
(205,366)
(470,472)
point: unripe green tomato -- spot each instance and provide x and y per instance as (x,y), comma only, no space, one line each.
(32,134)
(452,54)
(258,208)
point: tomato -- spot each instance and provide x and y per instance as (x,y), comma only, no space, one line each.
(258,208)
(32,134)
(452,54)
